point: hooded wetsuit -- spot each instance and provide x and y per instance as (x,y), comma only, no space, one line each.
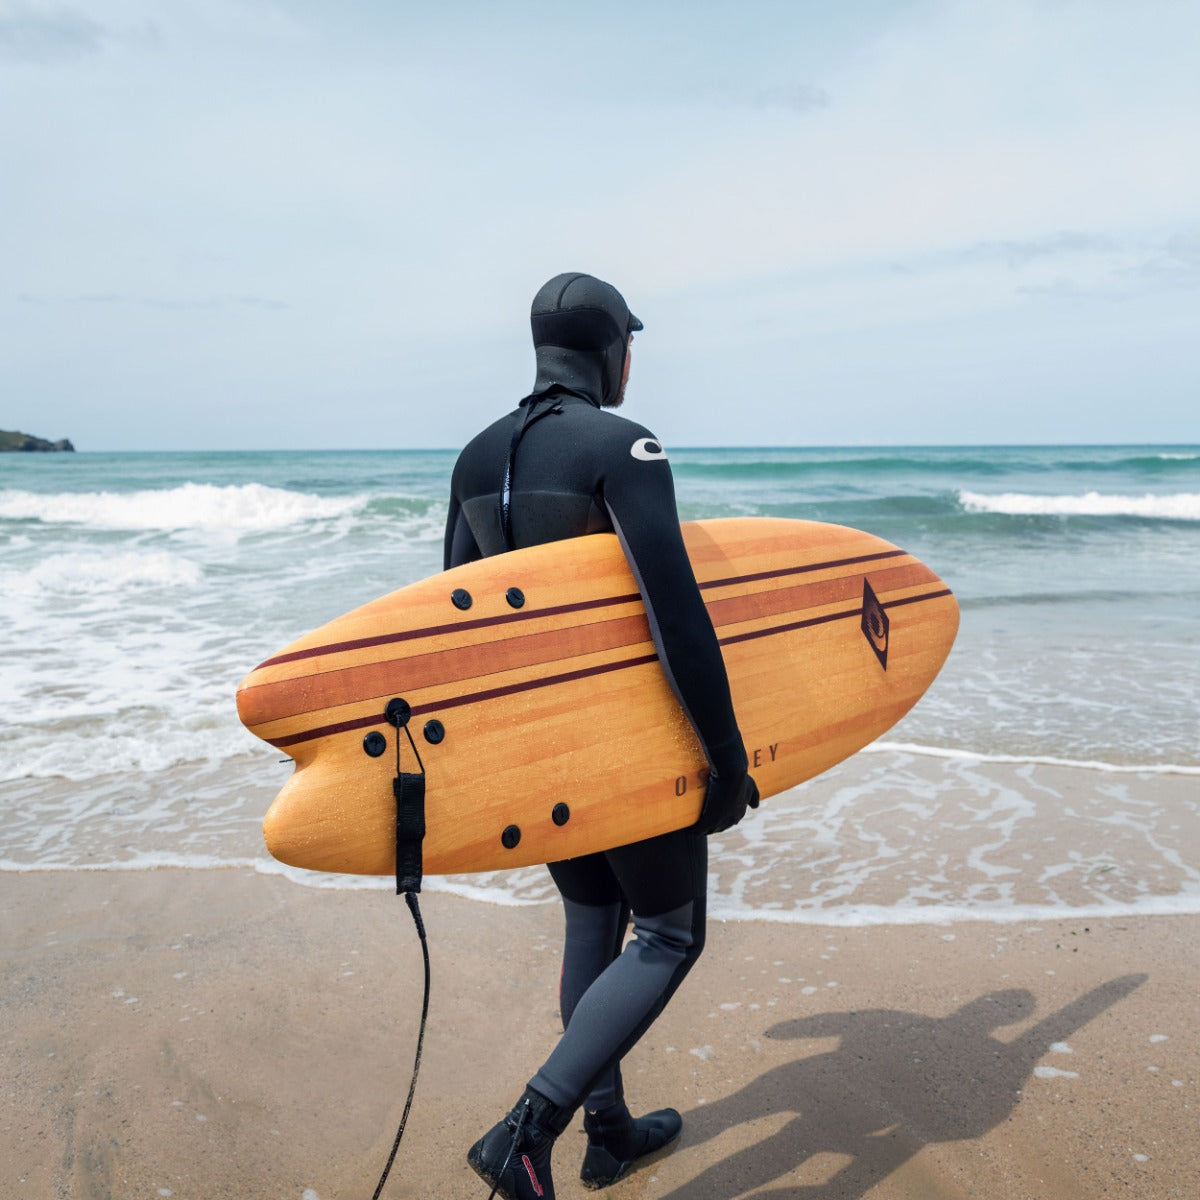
(560,466)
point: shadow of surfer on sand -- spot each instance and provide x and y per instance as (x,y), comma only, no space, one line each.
(897,1082)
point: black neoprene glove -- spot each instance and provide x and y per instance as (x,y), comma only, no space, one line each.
(725,801)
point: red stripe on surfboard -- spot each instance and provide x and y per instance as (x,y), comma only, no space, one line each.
(917,599)
(474,697)
(583,673)
(386,639)
(809,622)
(780,572)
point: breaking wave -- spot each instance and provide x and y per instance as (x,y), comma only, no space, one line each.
(1182,506)
(237,508)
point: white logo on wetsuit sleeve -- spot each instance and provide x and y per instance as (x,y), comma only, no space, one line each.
(647,449)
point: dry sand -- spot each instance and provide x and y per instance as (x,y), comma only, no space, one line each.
(227,1034)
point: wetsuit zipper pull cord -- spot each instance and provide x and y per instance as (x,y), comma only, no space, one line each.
(519,432)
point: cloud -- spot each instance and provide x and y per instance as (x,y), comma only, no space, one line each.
(1014,253)
(1076,265)
(1021,252)
(790,97)
(1174,264)
(47,37)
(163,304)
(798,97)
(1171,266)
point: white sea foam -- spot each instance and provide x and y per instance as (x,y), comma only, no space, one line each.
(509,889)
(70,748)
(721,907)
(92,573)
(884,747)
(143,862)
(875,842)
(240,508)
(1181,506)
(1183,904)
(1054,1073)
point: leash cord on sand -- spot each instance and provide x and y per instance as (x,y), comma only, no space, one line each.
(415,909)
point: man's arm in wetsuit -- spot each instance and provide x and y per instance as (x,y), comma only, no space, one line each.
(458,546)
(639,493)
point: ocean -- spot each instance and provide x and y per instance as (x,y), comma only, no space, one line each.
(1052,769)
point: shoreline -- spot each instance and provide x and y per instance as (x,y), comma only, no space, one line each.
(850,916)
(888,838)
(225,1033)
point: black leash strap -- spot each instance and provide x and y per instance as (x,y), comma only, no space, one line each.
(409,790)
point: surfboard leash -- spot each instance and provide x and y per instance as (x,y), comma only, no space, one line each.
(409,790)
(518,1125)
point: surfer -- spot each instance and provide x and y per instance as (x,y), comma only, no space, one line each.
(559,466)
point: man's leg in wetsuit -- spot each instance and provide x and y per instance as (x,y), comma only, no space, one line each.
(596,916)
(664,881)
(611,996)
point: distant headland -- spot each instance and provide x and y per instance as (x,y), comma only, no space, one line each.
(11,440)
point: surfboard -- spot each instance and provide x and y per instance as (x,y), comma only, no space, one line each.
(543,721)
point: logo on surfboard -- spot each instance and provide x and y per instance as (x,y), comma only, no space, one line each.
(875,623)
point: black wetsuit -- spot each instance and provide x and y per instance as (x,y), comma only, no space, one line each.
(561,466)
(578,470)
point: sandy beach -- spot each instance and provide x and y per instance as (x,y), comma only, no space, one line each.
(963,963)
(205,1034)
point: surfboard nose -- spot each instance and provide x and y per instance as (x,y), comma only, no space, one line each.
(255,701)
(269,702)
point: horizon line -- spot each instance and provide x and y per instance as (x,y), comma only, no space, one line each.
(1033,445)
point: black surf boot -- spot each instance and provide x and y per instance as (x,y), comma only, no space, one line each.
(514,1156)
(616,1141)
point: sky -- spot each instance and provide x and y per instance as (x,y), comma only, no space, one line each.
(247,224)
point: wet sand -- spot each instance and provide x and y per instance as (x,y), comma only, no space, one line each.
(206,1034)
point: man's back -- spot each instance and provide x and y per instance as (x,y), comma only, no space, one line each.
(572,464)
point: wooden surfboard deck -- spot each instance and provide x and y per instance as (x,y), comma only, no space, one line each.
(830,635)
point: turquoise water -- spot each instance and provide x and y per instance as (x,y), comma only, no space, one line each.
(137,589)
(1076,568)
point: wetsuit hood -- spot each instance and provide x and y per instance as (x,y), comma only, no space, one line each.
(581,327)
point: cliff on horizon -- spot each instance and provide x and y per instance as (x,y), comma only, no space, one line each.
(11,440)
